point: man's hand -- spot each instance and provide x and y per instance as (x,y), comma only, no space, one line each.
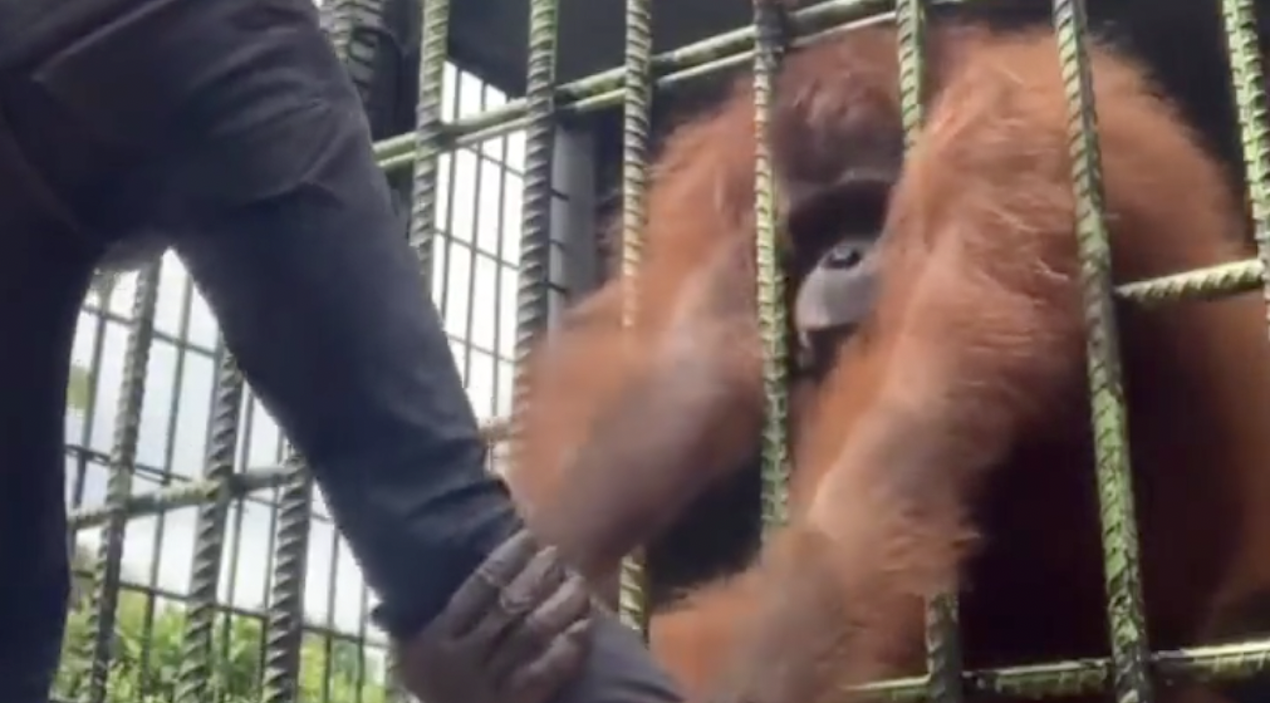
(515,632)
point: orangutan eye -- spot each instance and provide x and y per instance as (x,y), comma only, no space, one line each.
(836,218)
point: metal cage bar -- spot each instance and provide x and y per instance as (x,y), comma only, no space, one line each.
(1248,80)
(209,545)
(636,119)
(532,301)
(106,573)
(1111,443)
(423,200)
(672,68)
(284,625)
(769,38)
(283,628)
(428,132)
(943,639)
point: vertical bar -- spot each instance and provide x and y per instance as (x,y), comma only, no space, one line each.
(442,295)
(501,258)
(363,616)
(638,97)
(429,130)
(330,636)
(90,402)
(123,458)
(349,20)
(1248,79)
(394,690)
(943,642)
(910,21)
(428,133)
(209,541)
(182,347)
(271,561)
(1115,489)
(285,620)
(337,21)
(474,250)
(235,547)
(532,295)
(771,279)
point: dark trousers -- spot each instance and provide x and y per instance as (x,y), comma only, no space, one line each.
(231,125)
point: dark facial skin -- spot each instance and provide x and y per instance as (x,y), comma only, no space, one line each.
(838,223)
(839,291)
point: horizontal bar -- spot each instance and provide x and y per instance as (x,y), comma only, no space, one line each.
(1201,284)
(1221,663)
(182,496)
(670,68)
(198,492)
(1090,676)
(735,48)
(373,639)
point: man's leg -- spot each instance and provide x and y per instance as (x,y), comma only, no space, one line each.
(321,300)
(310,288)
(231,123)
(42,283)
(315,287)
(286,223)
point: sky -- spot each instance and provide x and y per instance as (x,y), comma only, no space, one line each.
(480,200)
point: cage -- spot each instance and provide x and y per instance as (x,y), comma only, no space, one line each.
(509,129)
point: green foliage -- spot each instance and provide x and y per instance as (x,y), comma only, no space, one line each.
(78,388)
(147,657)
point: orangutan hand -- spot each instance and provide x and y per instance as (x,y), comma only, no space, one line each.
(516,631)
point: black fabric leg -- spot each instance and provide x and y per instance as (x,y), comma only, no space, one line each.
(231,124)
(41,288)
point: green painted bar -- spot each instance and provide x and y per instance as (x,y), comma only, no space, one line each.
(429,132)
(637,108)
(285,619)
(769,46)
(181,496)
(284,626)
(943,639)
(532,305)
(107,572)
(1222,663)
(1129,652)
(195,675)
(609,84)
(1248,79)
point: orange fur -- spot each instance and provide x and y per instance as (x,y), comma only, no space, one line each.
(694,639)
(585,480)
(972,368)
(959,410)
